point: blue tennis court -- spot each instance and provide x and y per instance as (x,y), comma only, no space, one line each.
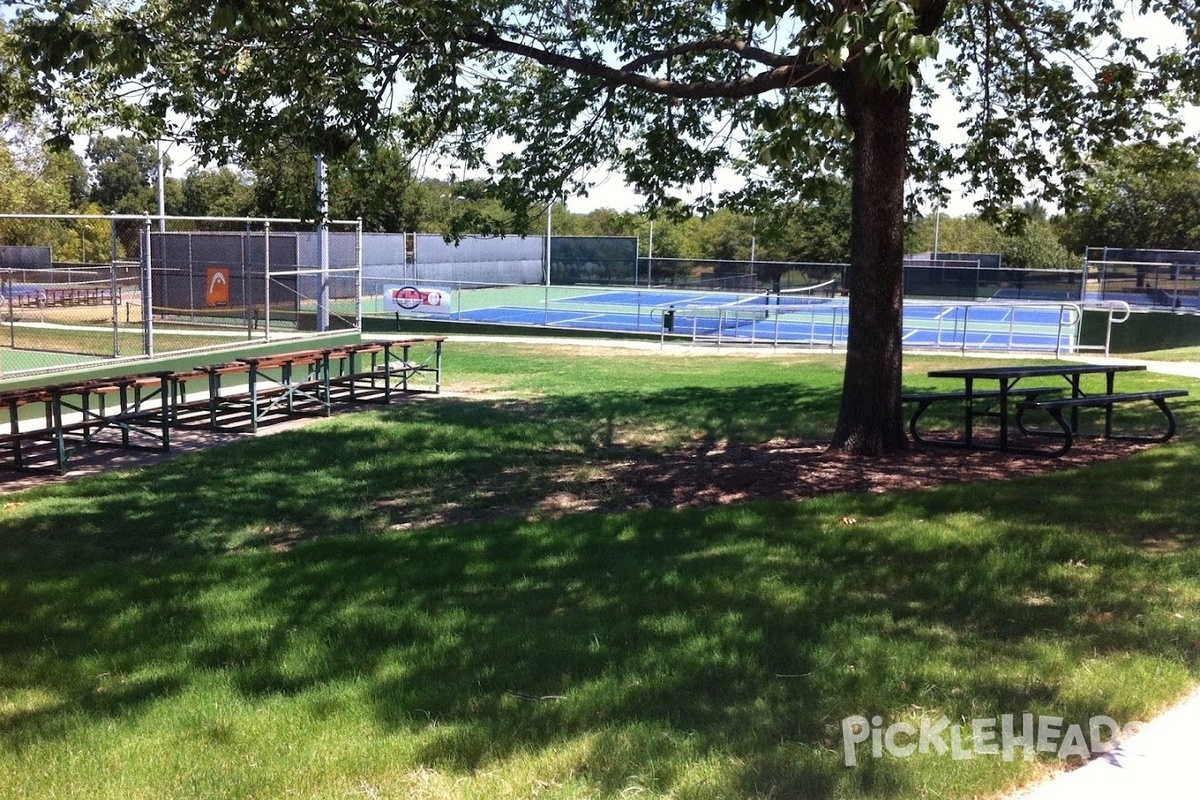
(817,320)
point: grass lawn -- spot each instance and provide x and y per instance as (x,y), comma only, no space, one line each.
(373,606)
(1173,354)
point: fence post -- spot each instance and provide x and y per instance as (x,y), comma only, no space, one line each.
(112,259)
(12,320)
(247,297)
(147,290)
(322,246)
(191,279)
(358,261)
(267,280)
(115,295)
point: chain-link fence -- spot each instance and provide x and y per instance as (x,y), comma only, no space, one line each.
(736,275)
(964,280)
(1161,279)
(77,289)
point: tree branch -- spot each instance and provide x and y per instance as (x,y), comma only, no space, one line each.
(738,46)
(931,16)
(786,72)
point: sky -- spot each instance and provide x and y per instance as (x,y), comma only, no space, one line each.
(613,193)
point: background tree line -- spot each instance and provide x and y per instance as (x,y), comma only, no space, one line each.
(1140,196)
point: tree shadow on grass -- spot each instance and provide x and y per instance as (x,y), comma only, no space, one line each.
(448,460)
(736,633)
(742,634)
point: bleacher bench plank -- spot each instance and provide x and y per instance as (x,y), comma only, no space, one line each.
(70,418)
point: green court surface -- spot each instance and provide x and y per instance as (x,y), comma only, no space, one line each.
(13,360)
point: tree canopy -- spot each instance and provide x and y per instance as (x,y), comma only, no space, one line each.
(124,170)
(528,93)
(1142,196)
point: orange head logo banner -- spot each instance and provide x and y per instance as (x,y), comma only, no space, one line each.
(217,291)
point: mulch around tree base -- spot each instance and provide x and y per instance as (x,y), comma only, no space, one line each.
(700,474)
(795,470)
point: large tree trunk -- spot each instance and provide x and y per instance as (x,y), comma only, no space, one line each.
(870,421)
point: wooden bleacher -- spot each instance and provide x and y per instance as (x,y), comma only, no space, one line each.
(139,411)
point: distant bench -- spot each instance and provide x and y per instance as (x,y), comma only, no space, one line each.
(35,297)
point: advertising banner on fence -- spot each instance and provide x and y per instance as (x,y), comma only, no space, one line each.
(217,293)
(417,299)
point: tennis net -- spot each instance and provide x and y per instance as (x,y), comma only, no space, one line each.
(806,297)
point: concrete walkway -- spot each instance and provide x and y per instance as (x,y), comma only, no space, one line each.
(1185,369)
(1159,761)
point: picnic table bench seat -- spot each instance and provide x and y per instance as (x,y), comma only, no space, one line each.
(286,382)
(926,399)
(376,370)
(300,382)
(1069,428)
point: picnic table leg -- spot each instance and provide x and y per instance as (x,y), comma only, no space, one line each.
(86,405)
(14,427)
(124,395)
(352,358)
(60,442)
(437,374)
(1075,393)
(387,372)
(285,377)
(214,393)
(1004,389)
(326,384)
(1110,377)
(164,393)
(1068,433)
(968,412)
(253,387)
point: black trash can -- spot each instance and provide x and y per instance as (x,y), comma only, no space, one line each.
(669,319)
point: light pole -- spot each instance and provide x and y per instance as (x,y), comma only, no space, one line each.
(937,226)
(322,246)
(753,240)
(650,258)
(162,195)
